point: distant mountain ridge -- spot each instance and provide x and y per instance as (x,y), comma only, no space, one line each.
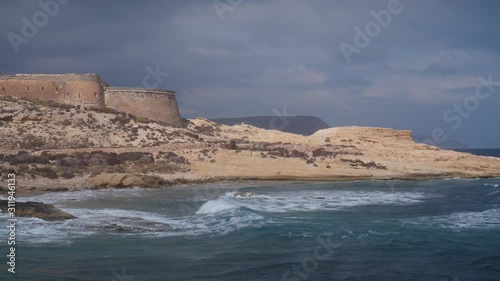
(448,144)
(302,125)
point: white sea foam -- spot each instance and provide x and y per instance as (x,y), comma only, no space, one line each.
(461,179)
(344,234)
(215,206)
(310,201)
(220,216)
(131,222)
(64,197)
(489,219)
(89,221)
(221,226)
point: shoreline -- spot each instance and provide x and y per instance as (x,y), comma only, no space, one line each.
(101,149)
(33,193)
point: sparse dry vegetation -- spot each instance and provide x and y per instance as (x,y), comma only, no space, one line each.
(61,144)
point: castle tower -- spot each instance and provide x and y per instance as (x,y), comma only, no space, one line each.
(154,104)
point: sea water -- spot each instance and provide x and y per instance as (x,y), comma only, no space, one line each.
(360,230)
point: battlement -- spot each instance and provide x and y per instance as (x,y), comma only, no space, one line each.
(53,77)
(143,90)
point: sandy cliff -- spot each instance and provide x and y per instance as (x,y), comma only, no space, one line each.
(56,147)
(343,153)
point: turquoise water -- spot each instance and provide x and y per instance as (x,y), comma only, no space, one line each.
(364,230)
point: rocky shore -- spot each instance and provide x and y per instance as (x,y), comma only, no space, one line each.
(36,209)
(53,147)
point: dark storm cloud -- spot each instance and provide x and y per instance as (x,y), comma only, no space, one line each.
(271,54)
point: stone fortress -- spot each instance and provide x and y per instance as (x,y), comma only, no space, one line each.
(89,90)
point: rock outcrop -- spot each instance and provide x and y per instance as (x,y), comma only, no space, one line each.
(37,210)
(74,149)
(126,180)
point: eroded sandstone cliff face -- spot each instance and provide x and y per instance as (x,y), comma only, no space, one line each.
(366,132)
(53,148)
(340,153)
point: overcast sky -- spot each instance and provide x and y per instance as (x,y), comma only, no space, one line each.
(233,58)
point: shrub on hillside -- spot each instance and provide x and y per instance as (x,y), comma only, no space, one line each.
(143,120)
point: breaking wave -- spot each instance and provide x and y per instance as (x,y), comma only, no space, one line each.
(310,201)
(489,219)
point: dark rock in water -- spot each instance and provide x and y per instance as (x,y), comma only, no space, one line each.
(118,228)
(37,210)
(134,225)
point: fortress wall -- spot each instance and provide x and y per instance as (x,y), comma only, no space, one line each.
(75,89)
(156,105)
(83,93)
(28,89)
(89,90)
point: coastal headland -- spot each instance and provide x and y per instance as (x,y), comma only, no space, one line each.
(59,147)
